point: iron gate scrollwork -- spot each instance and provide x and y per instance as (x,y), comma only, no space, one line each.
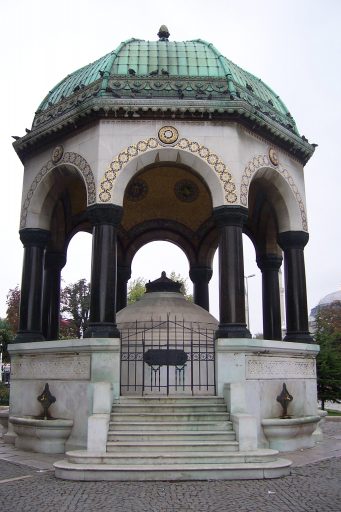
(167,357)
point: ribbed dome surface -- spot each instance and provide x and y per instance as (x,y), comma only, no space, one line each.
(163,69)
(330,298)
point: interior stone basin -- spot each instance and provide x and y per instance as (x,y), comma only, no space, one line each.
(289,434)
(40,435)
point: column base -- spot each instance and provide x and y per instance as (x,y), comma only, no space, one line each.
(102,330)
(28,336)
(232,331)
(299,337)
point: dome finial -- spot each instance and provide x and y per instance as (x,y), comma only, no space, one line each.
(163,33)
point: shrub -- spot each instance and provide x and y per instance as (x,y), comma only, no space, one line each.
(4,394)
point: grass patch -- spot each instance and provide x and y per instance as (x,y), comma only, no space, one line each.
(333,412)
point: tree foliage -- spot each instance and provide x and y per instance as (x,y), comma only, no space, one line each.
(137,287)
(184,286)
(13,304)
(328,336)
(75,304)
(6,337)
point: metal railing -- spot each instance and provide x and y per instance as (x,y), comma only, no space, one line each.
(167,357)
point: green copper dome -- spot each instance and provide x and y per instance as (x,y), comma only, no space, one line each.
(166,79)
(196,60)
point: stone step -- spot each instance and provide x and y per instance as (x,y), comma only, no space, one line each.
(172,435)
(169,417)
(176,399)
(92,471)
(170,457)
(138,426)
(171,446)
(169,408)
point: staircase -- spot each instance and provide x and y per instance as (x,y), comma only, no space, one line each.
(171,438)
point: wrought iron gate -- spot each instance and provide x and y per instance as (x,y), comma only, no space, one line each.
(167,357)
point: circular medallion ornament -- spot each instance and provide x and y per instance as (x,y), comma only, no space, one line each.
(57,154)
(168,134)
(186,191)
(137,190)
(273,156)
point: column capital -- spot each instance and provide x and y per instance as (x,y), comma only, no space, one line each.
(100,214)
(293,239)
(34,237)
(55,259)
(200,273)
(124,272)
(230,215)
(269,261)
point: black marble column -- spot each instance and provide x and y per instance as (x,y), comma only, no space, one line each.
(230,220)
(54,262)
(200,276)
(293,243)
(30,317)
(272,325)
(123,276)
(105,220)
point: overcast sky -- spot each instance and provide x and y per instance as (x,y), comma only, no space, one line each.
(292,45)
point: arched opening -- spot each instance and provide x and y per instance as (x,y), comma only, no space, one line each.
(156,257)
(59,207)
(78,261)
(273,210)
(253,289)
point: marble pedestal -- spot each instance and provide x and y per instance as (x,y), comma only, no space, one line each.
(72,368)
(250,374)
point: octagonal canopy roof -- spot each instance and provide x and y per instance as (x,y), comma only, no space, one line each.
(214,75)
(188,80)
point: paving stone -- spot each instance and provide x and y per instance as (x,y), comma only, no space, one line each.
(309,488)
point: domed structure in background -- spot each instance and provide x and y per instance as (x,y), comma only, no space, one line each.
(167,343)
(326,301)
(330,298)
(163,300)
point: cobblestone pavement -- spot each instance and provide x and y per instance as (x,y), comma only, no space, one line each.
(315,487)
(310,488)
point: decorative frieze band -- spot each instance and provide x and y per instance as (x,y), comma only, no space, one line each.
(122,159)
(259,162)
(59,158)
(51,367)
(279,368)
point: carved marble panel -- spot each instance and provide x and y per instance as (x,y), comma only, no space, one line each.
(258,367)
(73,367)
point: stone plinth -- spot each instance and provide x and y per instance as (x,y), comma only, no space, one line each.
(71,367)
(250,374)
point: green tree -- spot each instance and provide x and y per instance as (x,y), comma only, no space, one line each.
(328,361)
(184,286)
(13,304)
(137,287)
(75,304)
(6,337)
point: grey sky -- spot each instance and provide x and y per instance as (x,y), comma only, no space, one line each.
(293,45)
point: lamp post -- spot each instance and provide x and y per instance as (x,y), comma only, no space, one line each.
(247,299)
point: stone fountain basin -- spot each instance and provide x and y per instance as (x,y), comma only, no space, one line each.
(39,435)
(289,434)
